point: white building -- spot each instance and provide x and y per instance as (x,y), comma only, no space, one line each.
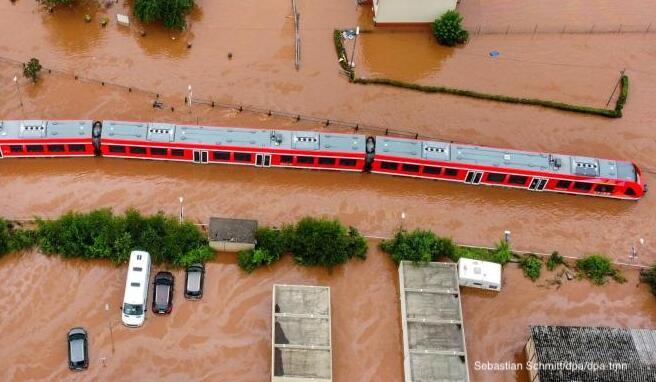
(400,12)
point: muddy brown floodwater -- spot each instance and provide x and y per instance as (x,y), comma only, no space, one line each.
(226,336)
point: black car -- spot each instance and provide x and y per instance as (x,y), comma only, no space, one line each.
(194,281)
(78,353)
(163,293)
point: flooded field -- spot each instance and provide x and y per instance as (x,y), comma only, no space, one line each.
(226,335)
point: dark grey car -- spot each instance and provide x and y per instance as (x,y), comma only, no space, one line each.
(194,281)
(78,353)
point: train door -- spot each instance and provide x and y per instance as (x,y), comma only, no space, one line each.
(474,177)
(262,160)
(538,184)
(200,156)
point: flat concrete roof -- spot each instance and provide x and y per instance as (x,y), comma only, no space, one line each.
(301,346)
(433,333)
(232,230)
(45,129)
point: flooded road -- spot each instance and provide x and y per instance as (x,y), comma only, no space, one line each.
(226,335)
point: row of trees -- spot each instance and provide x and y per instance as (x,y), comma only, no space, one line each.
(101,234)
(311,242)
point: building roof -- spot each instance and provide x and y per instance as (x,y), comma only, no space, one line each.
(231,136)
(433,334)
(627,355)
(496,157)
(232,230)
(301,333)
(45,129)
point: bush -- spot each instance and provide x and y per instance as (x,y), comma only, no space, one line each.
(531,265)
(417,246)
(254,258)
(101,235)
(555,260)
(598,269)
(31,69)
(13,240)
(170,12)
(649,276)
(448,29)
(272,241)
(324,242)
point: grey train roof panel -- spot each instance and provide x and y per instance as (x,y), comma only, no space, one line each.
(45,129)
(495,157)
(253,138)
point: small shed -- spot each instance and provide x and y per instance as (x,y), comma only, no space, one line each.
(479,274)
(232,235)
(404,12)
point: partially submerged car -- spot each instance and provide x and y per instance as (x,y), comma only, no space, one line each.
(78,353)
(163,293)
(194,279)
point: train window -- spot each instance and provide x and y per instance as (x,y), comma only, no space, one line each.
(410,167)
(347,162)
(221,155)
(305,160)
(604,188)
(517,179)
(432,170)
(563,184)
(629,191)
(177,152)
(496,177)
(55,148)
(34,148)
(327,161)
(16,148)
(582,186)
(158,151)
(76,148)
(243,157)
(286,159)
(450,172)
(116,149)
(137,150)
(389,166)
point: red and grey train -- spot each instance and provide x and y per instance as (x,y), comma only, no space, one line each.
(477,165)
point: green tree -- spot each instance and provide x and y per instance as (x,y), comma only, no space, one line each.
(417,246)
(170,12)
(598,269)
(448,29)
(531,265)
(31,69)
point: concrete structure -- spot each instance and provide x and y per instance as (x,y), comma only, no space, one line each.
(301,345)
(390,12)
(433,334)
(479,274)
(232,235)
(565,354)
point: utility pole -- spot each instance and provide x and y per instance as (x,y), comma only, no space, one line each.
(111,332)
(355,42)
(181,199)
(616,86)
(20,97)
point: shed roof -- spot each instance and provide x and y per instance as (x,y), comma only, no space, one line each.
(232,230)
(627,355)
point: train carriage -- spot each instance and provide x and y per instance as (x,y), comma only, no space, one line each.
(255,147)
(36,138)
(508,168)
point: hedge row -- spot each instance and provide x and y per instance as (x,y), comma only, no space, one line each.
(100,234)
(609,113)
(311,242)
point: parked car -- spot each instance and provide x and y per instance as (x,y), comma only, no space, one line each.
(194,279)
(163,293)
(78,353)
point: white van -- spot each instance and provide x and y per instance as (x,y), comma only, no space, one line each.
(479,274)
(136,289)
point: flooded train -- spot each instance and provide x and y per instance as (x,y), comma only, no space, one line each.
(428,159)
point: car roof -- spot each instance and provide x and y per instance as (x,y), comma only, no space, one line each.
(193,281)
(162,294)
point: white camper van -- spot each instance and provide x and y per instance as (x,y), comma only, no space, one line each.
(479,274)
(136,289)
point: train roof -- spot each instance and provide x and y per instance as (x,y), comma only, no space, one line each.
(34,129)
(218,136)
(495,157)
